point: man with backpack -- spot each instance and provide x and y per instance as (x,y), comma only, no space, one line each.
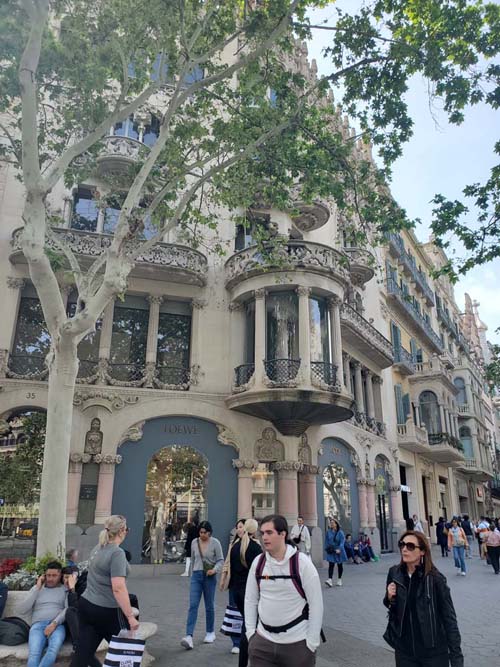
(283,602)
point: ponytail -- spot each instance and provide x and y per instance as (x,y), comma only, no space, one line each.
(112,527)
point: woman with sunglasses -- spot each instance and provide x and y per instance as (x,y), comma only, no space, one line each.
(104,607)
(422,627)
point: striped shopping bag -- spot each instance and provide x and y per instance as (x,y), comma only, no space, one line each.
(231,625)
(124,652)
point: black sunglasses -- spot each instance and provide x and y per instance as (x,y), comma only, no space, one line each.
(409,545)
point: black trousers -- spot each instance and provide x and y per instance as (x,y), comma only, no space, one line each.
(441,660)
(73,628)
(331,567)
(239,598)
(95,624)
(494,554)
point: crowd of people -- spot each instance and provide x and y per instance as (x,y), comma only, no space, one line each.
(459,535)
(275,605)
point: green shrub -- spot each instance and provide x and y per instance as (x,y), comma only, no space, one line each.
(39,565)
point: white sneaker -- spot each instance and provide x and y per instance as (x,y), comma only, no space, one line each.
(339,582)
(185,574)
(328,582)
(463,574)
(187,642)
(209,638)
(235,650)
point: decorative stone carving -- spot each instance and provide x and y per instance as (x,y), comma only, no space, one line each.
(364,440)
(4,359)
(149,374)
(311,469)
(186,260)
(247,464)
(334,300)
(395,488)
(109,459)
(235,306)
(133,433)
(268,448)
(195,374)
(15,283)
(259,294)
(155,299)
(84,398)
(296,255)
(122,147)
(198,304)
(94,437)
(356,462)
(292,466)
(227,437)
(303,291)
(305,453)
(78,457)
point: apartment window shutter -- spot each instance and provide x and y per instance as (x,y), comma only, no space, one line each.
(406,406)
(398,393)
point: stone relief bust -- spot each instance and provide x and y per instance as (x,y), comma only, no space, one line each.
(268,448)
(93,438)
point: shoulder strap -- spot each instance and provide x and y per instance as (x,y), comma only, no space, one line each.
(295,574)
(260,568)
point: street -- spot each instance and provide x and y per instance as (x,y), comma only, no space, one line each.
(354,618)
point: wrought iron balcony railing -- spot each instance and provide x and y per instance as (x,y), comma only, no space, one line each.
(127,372)
(27,366)
(445,439)
(282,371)
(172,375)
(324,373)
(403,359)
(367,337)
(243,374)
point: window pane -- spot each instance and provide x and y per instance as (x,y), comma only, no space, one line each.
(282,326)
(318,325)
(85,211)
(250,333)
(128,341)
(174,334)
(151,131)
(32,340)
(88,348)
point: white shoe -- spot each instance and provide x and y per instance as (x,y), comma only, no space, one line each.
(328,582)
(339,582)
(235,650)
(187,642)
(185,574)
(463,574)
(209,638)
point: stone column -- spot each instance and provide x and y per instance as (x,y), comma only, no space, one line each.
(288,497)
(370,408)
(443,417)
(67,210)
(457,429)
(417,414)
(260,335)
(74,482)
(152,341)
(468,394)
(396,506)
(363,503)
(346,359)
(237,337)
(358,387)
(105,339)
(334,306)
(370,490)
(245,486)
(304,334)
(105,485)
(197,306)
(308,505)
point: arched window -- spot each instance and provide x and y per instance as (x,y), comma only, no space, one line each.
(429,411)
(461,396)
(466,440)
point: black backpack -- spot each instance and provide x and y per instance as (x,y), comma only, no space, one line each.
(13,631)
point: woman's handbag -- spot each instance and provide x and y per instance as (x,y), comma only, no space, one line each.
(124,651)
(233,622)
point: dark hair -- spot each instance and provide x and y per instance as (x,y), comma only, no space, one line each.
(466,517)
(54,565)
(239,521)
(423,546)
(205,525)
(348,535)
(332,518)
(279,522)
(456,520)
(70,569)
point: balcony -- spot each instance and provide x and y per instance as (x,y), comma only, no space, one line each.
(465,411)
(361,265)
(27,367)
(395,244)
(397,249)
(278,392)
(475,469)
(164,261)
(292,256)
(446,320)
(407,310)
(413,438)
(403,362)
(448,359)
(363,335)
(310,216)
(118,154)
(444,448)
(370,424)
(433,369)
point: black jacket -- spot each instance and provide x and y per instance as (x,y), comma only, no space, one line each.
(239,573)
(433,619)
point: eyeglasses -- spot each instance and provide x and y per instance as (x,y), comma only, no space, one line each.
(407,545)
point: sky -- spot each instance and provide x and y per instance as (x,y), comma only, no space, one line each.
(440,158)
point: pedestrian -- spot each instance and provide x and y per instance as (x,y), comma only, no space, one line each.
(283,588)
(481,534)
(417,524)
(493,547)
(191,530)
(226,578)
(72,557)
(457,541)
(468,528)
(243,552)
(442,536)
(104,607)
(301,537)
(422,626)
(208,559)
(335,551)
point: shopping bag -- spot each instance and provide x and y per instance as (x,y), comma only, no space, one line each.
(232,623)
(125,651)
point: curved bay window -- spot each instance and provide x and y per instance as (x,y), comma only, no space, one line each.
(31,340)
(466,440)
(173,348)
(129,339)
(320,336)
(282,336)
(429,411)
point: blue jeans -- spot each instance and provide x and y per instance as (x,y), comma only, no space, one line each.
(38,641)
(201,584)
(459,556)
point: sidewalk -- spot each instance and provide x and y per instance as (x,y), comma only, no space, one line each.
(354,618)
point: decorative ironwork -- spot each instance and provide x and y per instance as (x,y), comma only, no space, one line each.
(358,323)
(91,244)
(172,376)
(243,374)
(88,371)
(404,359)
(122,149)
(27,367)
(292,255)
(324,373)
(445,439)
(129,374)
(282,371)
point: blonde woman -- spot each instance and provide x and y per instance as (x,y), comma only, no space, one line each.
(104,607)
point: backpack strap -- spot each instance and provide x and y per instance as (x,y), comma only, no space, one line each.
(259,569)
(295,574)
